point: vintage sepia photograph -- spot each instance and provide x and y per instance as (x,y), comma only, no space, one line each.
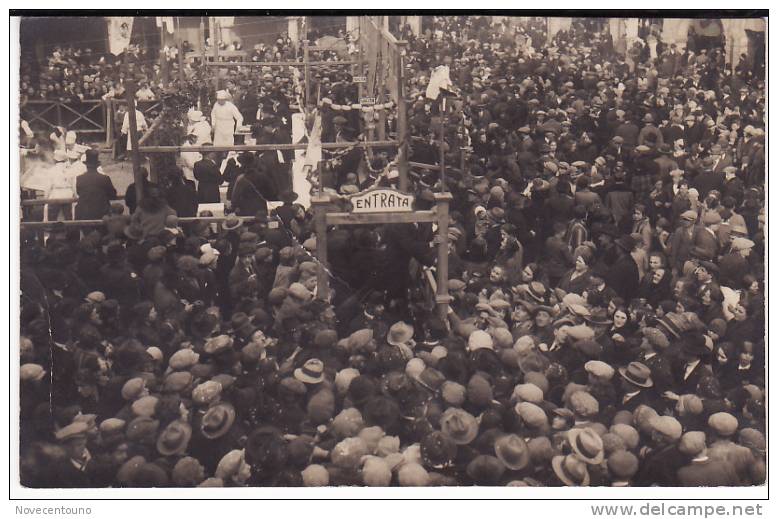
(396,250)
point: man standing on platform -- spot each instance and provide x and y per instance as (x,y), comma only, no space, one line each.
(225,118)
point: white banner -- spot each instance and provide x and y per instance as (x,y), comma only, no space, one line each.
(168,22)
(119,33)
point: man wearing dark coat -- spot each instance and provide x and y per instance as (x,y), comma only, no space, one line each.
(623,277)
(95,190)
(209,178)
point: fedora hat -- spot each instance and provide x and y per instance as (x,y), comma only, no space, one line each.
(312,372)
(174,438)
(399,333)
(571,470)
(587,444)
(438,450)
(217,420)
(241,325)
(637,373)
(512,451)
(537,291)
(460,425)
(232,222)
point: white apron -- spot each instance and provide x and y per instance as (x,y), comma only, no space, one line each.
(224,119)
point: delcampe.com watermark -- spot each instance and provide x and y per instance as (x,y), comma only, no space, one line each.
(659,509)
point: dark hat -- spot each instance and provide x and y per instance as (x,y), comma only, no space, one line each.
(626,242)
(174,438)
(217,420)
(92,158)
(485,470)
(381,411)
(438,450)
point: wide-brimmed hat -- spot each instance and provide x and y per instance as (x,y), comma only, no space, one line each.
(571,470)
(399,333)
(174,438)
(512,451)
(485,470)
(587,444)
(637,373)
(537,291)
(438,450)
(312,372)
(232,222)
(242,325)
(217,420)
(460,425)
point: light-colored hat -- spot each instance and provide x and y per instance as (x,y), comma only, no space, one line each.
(600,369)
(222,94)
(739,244)
(312,372)
(723,423)
(195,116)
(668,426)
(31,372)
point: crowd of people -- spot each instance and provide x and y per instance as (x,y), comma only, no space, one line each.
(606,260)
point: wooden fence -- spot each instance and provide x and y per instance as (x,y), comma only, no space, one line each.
(92,116)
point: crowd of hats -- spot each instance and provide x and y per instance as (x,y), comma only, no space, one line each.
(208,359)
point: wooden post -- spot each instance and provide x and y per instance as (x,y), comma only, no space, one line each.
(180,42)
(202,38)
(163,64)
(442,298)
(442,143)
(307,72)
(381,84)
(135,153)
(215,45)
(402,120)
(108,107)
(319,204)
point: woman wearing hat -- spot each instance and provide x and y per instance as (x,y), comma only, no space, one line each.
(578,279)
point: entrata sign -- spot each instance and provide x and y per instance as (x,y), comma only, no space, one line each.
(381,200)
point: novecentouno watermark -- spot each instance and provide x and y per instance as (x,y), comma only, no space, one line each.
(53,510)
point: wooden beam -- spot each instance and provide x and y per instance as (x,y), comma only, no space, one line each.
(278,63)
(381,218)
(97,223)
(264,147)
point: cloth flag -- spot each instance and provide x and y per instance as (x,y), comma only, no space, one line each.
(119,33)
(167,21)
